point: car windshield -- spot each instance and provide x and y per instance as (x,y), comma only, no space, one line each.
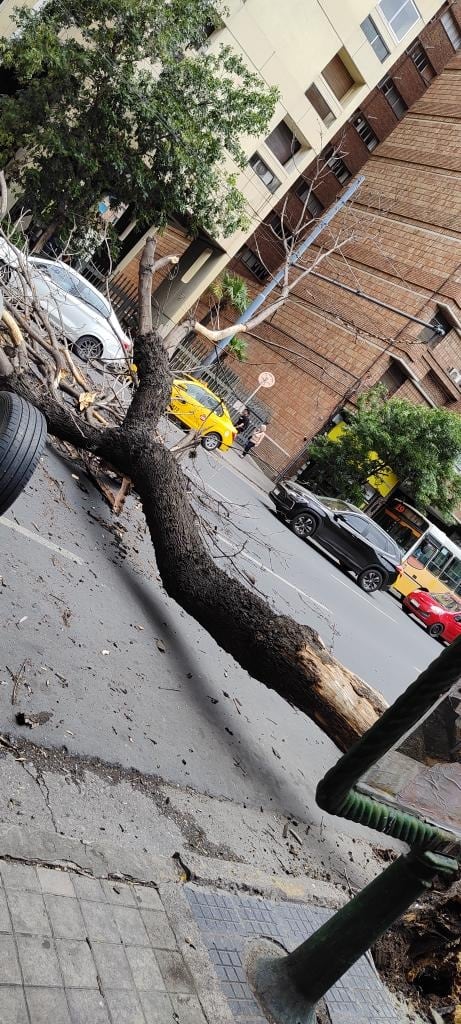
(338,505)
(447,601)
(72,284)
(206,398)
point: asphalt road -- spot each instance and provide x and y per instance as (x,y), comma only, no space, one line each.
(129,678)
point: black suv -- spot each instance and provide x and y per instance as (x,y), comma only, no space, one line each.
(359,544)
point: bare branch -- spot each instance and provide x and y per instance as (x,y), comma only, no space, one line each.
(3,196)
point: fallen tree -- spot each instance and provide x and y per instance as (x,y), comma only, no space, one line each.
(284,655)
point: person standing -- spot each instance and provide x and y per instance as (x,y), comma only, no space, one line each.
(254,440)
(243,420)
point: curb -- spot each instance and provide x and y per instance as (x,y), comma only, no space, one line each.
(104,860)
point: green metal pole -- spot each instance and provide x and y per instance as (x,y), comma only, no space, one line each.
(289,986)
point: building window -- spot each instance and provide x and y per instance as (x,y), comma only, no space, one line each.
(400,15)
(375,39)
(320,105)
(281,230)
(421,62)
(253,263)
(393,378)
(338,77)
(264,172)
(309,199)
(365,131)
(438,327)
(337,165)
(283,143)
(452,29)
(394,99)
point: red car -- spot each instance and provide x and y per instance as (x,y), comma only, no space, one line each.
(439,613)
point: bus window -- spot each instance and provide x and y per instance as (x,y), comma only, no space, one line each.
(451,576)
(440,561)
(424,551)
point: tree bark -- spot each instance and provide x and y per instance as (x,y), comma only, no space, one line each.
(284,655)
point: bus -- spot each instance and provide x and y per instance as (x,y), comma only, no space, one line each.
(431,561)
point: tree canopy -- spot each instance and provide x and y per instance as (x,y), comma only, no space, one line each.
(419,443)
(122,99)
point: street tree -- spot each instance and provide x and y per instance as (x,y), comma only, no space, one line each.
(419,443)
(285,655)
(121,99)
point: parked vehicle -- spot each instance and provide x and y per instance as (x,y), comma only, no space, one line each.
(342,529)
(22,440)
(431,561)
(439,613)
(76,309)
(197,407)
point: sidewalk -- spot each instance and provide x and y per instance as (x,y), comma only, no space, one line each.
(92,935)
(246,468)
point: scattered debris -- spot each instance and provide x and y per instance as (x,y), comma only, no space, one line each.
(276,753)
(24,619)
(18,678)
(66,616)
(105,652)
(33,720)
(161,646)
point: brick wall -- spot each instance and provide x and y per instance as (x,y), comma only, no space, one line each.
(406,251)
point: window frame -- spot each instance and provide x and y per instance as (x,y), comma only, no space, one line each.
(246,262)
(295,145)
(275,181)
(389,81)
(306,187)
(367,126)
(389,21)
(369,21)
(333,160)
(330,116)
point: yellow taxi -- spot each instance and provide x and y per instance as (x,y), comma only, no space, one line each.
(197,407)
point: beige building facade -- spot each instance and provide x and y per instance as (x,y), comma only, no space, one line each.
(325,57)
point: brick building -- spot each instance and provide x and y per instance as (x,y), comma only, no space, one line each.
(328,342)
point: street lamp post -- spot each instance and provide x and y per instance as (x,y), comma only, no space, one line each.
(388,782)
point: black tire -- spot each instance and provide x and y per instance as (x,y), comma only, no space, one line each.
(87,348)
(435,630)
(211,441)
(22,440)
(371,579)
(304,524)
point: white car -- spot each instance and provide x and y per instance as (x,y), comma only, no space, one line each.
(75,308)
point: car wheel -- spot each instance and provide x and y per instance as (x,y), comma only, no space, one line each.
(304,525)
(370,579)
(87,348)
(22,440)
(435,630)
(211,441)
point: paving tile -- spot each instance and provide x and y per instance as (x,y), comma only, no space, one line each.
(120,893)
(125,1008)
(99,922)
(47,1004)
(87,1007)
(66,917)
(147,896)
(188,1009)
(144,968)
(158,1008)
(112,965)
(28,913)
(174,971)
(20,876)
(158,929)
(77,964)
(130,925)
(88,888)
(38,960)
(5,920)
(13,1006)
(9,966)
(59,883)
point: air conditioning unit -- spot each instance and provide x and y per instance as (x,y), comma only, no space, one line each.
(455,376)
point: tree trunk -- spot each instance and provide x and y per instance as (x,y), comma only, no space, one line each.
(45,236)
(286,656)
